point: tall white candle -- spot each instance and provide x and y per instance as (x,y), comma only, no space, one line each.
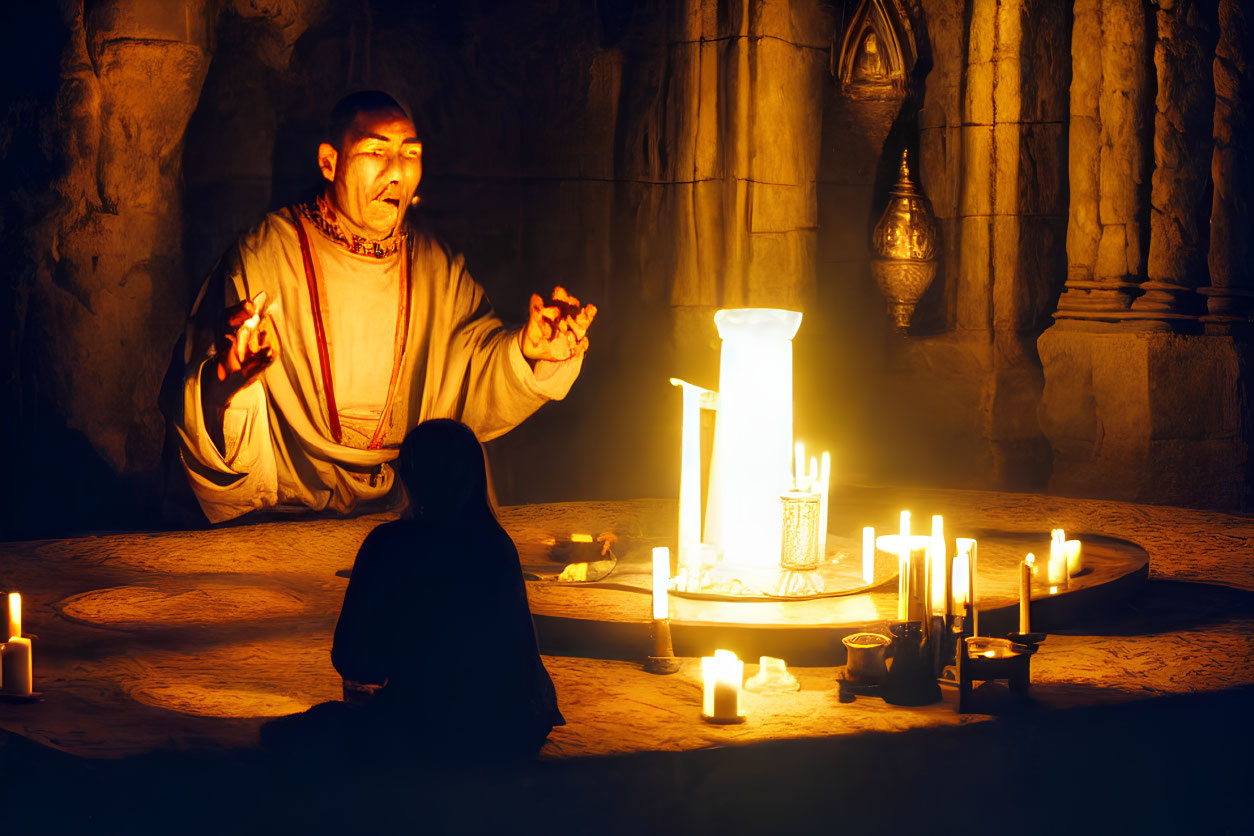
(661,580)
(1025,593)
(961,577)
(17,667)
(1075,557)
(936,548)
(15,616)
(868,554)
(825,479)
(903,567)
(690,479)
(722,675)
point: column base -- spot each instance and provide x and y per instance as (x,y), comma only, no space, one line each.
(1148,417)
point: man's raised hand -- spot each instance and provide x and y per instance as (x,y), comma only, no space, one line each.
(557,330)
(249,346)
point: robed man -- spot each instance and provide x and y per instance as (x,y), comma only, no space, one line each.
(335,326)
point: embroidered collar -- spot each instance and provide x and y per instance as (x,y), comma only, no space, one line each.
(324,218)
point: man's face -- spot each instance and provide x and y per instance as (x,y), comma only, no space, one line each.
(375,171)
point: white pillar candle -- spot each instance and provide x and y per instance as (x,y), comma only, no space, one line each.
(722,675)
(661,580)
(1057,566)
(18,670)
(961,578)
(903,568)
(936,548)
(1025,593)
(868,554)
(1075,557)
(825,478)
(15,616)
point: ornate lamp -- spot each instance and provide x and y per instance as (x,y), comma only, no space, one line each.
(904,247)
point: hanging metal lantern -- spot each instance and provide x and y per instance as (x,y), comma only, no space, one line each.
(904,246)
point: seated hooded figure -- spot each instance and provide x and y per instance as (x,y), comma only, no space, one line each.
(452,651)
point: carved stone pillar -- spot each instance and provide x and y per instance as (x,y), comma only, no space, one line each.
(1180,194)
(1230,295)
(1109,159)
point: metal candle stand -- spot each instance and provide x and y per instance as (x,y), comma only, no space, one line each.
(663,660)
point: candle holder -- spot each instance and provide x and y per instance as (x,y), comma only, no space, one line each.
(983,659)
(799,551)
(912,678)
(663,660)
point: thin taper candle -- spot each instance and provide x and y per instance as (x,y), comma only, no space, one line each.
(661,580)
(903,568)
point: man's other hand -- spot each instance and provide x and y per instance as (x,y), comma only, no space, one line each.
(557,330)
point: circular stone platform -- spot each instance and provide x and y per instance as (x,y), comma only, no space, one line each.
(612,619)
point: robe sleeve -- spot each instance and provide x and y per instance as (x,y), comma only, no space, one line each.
(242,476)
(487,384)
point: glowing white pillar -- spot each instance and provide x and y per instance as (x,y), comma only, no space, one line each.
(753,436)
(695,399)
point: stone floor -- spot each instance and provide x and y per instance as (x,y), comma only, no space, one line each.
(159,656)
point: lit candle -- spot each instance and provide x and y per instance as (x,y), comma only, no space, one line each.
(1075,557)
(799,468)
(936,549)
(1025,593)
(868,554)
(661,580)
(16,668)
(15,616)
(1057,566)
(962,576)
(903,568)
(722,676)
(825,478)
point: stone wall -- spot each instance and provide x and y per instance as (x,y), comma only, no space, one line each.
(662,160)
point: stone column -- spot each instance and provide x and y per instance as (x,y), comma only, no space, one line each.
(1180,194)
(1230,295)
(1109,159)
(111,295)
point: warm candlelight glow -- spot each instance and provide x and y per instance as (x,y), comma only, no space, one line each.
(581,538)
(722,675)
(753,435)
(661,580)
(1075,557)
(1057,567)
(15,615)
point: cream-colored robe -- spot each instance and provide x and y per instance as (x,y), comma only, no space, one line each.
(459,362)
